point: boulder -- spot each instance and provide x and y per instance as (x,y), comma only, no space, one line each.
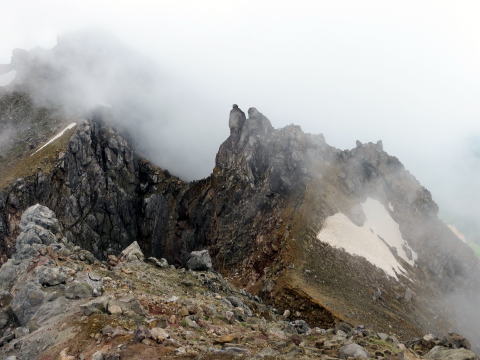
(39,226)
(41,216)
(353,351)
(443,353)
(200,261)
(456,341)
(162,263)
(97,356)
(26,301)
(78,290)
(95,306)
(132,253)
(50,276)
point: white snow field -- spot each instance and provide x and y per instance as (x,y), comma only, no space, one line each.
(366,240)
(59,135)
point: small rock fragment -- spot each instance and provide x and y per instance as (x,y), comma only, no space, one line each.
(225,339)
(354,351)
(159,334)
(162,263)
(97,356)
(229,315)
(114,309)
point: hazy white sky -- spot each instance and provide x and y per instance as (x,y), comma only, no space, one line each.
(404,71)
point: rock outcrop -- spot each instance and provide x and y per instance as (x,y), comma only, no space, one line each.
(199,261)
(100,188)
(32,282)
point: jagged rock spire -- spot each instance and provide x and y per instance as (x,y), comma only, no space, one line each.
(237,119)
(258,123)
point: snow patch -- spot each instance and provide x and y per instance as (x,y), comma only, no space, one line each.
(7,78)
(376,240)
(59,135)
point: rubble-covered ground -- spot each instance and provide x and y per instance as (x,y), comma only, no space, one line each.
(58,302)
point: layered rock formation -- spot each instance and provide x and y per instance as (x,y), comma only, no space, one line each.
(273,214)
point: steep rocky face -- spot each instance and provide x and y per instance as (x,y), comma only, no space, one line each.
(273,196)
(275,214)
(95,181)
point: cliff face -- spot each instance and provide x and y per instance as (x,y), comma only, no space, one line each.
(281,206)
(331,234)
(92,177)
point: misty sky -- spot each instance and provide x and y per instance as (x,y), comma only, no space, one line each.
(406,72)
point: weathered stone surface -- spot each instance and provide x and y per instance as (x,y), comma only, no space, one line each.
(51,276)
(26,301)
(456,341)
(98,355)
(98,305)
(41,216)
(78,290)
(162,263)
(199,261)
(21,331)
(353,351)
(132,253)
(442,353)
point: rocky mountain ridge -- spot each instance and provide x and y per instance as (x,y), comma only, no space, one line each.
(272,214)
